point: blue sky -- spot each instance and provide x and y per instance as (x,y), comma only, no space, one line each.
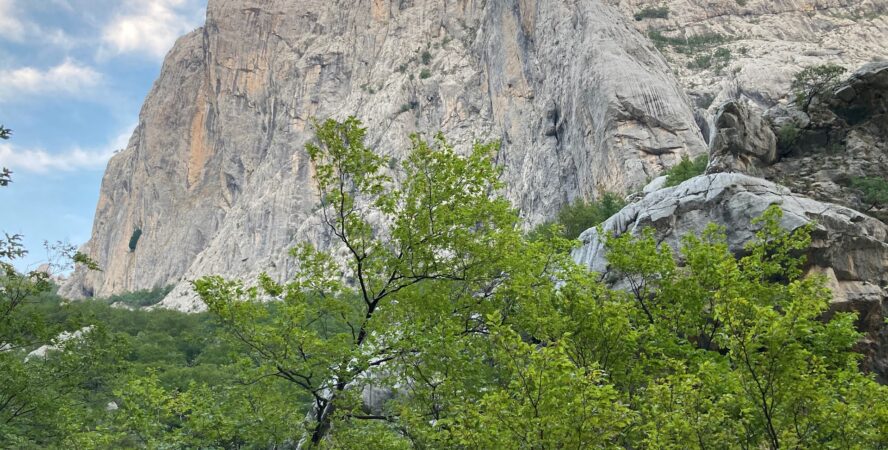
(73,75)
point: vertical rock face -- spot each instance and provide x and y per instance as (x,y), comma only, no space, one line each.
(215,177)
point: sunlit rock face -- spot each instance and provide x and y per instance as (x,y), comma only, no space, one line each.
(215,179)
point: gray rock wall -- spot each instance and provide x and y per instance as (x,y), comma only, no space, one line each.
(216,176)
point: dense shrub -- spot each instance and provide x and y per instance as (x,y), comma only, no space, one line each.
(873,191)
(688,44)
(788,135)
(652,12)
(134,239)
(141,298)
(580,216)
(685,170)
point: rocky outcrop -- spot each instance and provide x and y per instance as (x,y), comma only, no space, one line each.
(847,246)
(842,136)
(216,180)
(725,49)
(57,344)
(743,140)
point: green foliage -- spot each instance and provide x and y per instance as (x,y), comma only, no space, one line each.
(741,354)
(142,298)
(408,107)
(500,342)
(577,217)
(814,81)
(717,61)
(426,57)
(652,12)
(687,44)
(5,174)
(164,359)
(134,239)
(685,170)
(448,241)
(483,338)
(425,73)
(538,401)
(788,135)
(48,397)
(701,62)
(873,190)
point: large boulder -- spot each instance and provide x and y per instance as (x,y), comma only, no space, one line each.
(743,140)
(849,247)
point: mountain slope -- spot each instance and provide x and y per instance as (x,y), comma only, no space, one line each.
(216,180)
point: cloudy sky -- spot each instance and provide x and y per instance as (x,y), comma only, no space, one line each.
(73,75)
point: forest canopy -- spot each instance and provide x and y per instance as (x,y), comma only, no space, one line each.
(445,326)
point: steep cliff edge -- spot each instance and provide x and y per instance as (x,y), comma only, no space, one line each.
(216,180)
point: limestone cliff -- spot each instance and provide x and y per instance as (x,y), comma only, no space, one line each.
(215,178)
(722,49)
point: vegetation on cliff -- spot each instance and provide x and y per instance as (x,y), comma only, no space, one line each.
(436,323)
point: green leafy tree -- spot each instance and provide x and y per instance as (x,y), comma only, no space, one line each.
(742,348)
(473,336)
(814,81)
(46,397)
(437,263)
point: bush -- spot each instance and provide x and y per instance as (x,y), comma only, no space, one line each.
(717,60)
(408,107)
(141,298)
(426,57)
(653,12)
(873,191)
(788,135)
(134,239)
(689,44)
(701,62)
(685,170)
(425,73)
(579,216)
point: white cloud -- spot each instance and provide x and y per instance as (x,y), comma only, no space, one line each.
(42,161)
(69,77)
(10,26)
(149,26)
